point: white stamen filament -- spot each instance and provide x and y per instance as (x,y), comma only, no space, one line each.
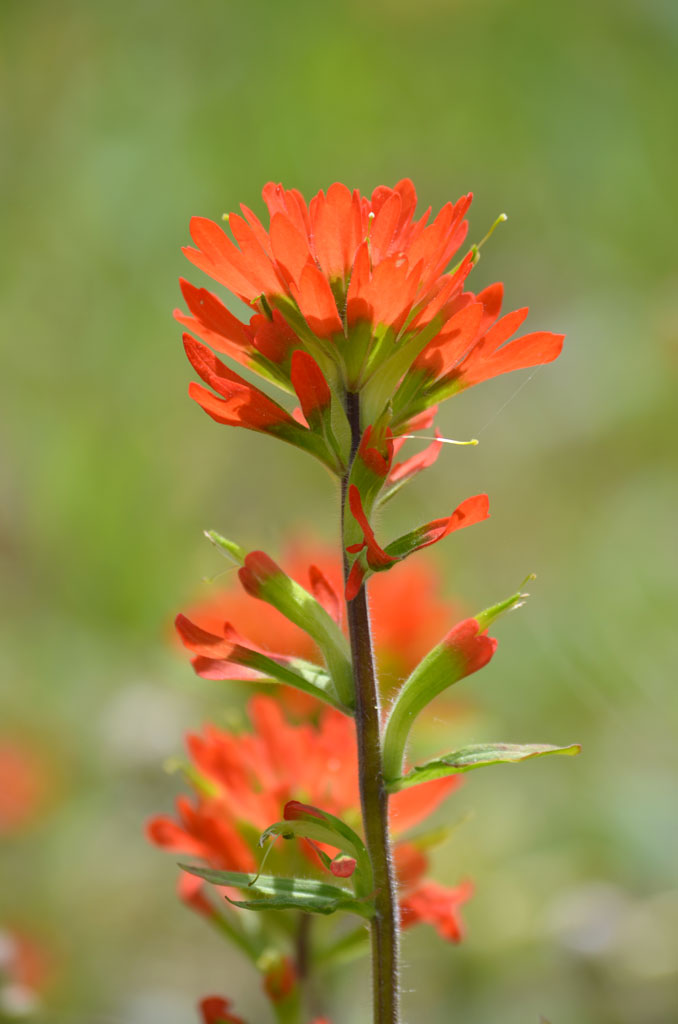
(444,440)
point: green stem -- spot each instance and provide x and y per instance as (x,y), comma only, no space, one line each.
(373,795)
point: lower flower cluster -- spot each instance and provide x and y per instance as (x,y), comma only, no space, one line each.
(243,779)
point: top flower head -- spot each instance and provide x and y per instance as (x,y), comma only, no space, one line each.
(365,291)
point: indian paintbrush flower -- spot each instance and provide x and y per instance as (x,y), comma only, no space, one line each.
(358,311)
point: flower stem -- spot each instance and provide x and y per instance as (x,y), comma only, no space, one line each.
(373,795)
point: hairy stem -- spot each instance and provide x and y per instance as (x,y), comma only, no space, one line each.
(373,795)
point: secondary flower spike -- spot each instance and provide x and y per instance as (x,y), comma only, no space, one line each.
(371,294)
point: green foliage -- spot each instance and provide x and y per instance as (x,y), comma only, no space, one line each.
(478,755)
(270,892)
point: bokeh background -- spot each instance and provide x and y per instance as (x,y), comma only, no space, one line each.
(120,121)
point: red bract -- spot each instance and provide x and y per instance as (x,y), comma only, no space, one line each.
(375,559)
(362,287)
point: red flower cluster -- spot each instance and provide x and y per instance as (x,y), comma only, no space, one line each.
(244,780)
(346,293)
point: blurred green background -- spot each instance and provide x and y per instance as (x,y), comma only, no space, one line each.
(120,121)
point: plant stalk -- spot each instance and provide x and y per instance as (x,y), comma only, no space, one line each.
(373,795)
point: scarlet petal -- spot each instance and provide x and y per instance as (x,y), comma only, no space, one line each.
(530,350)
(453,341)
(200,641)
(392,290)
(166,833)
(501,332)
(385,225)
(310,385)
(215,373)
(355,580)
(376,556)
(217,256)
(253,261)
(290,202)
(247,407)
(358,305)
(416,463)
(378,456)
(324,593)
(491,298)
(336,220)
(437,905)
(216,1010)
(290,247)
(209,309)
(273,338)
(472,510)
(316,302)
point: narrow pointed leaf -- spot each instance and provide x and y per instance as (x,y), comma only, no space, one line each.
(272,893)
(479,755)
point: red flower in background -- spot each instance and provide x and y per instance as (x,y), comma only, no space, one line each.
(26,971)
(427,902)
(244,780)
(24,784)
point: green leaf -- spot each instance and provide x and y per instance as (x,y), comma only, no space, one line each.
(478,755)
(444,665)
(273,893)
